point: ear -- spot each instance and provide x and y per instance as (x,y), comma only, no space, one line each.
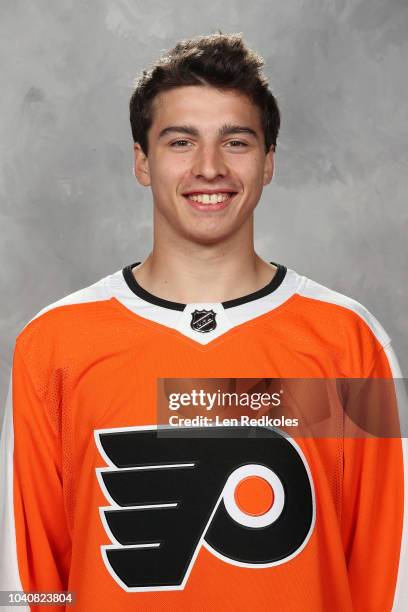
(141,165)
(269,166)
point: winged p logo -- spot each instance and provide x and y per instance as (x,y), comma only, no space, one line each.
(172,494)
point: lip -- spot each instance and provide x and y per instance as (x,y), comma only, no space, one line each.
(208,191)
(209,207)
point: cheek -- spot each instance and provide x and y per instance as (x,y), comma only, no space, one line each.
(167,173)
(249,166)
(252,173)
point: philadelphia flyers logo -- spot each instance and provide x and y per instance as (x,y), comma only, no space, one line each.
(246,494)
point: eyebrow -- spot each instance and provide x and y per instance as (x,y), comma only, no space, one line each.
(225,130)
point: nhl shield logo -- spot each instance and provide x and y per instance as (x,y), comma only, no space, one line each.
(203,320)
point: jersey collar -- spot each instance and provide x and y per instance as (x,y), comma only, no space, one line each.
(205,323)
(134,286)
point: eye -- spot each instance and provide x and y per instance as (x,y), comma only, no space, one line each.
(179,143)
(237,143)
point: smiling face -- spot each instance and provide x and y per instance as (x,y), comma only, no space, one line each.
(206,163)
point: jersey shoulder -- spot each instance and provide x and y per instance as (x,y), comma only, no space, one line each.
(95,292)
(344,310)
(61,317)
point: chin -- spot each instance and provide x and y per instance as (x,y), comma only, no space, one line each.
(207,238)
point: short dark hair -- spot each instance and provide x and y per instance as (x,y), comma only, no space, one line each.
(218,60)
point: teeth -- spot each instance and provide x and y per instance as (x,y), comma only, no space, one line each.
(206,198)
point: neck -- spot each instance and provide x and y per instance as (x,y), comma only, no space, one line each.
(215,277)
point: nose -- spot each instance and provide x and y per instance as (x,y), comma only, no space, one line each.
(209,163)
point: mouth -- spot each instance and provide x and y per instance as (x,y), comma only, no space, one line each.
(210,201)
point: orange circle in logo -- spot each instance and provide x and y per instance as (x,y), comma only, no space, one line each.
(254,495)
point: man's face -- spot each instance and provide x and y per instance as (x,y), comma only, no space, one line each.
(205,146)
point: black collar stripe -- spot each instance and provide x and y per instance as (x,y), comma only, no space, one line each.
(154,299)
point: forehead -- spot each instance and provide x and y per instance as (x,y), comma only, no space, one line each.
(204,107)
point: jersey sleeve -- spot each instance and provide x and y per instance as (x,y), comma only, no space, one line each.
(374,526)
(35,543)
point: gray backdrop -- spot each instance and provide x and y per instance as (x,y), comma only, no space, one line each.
(71,211)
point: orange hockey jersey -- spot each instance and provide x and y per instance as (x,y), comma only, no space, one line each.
(96,502)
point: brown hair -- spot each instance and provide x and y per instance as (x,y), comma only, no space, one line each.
(219,60)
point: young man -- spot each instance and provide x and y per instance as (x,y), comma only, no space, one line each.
(94,500)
